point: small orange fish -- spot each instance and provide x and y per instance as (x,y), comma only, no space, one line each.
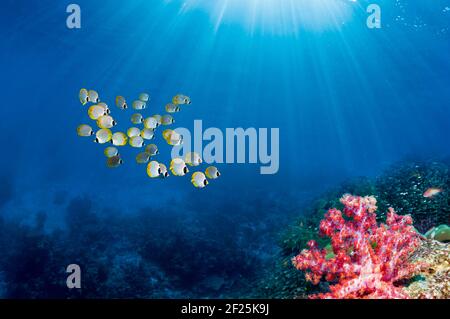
(431,192)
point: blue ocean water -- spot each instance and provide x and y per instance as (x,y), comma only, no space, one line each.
(348,100)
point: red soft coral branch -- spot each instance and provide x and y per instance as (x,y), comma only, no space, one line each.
(368,258)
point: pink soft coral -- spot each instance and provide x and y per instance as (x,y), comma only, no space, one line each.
(368,258)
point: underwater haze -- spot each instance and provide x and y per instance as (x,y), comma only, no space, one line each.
(348,100)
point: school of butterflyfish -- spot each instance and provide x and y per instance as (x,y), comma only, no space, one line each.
(141,130)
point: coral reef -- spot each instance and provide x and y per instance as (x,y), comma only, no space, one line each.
(400,186)
(154,252)
(168,252)
(440,233)
(305,228)
(283,281)
(403,186)
(367,258)
(433,282)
